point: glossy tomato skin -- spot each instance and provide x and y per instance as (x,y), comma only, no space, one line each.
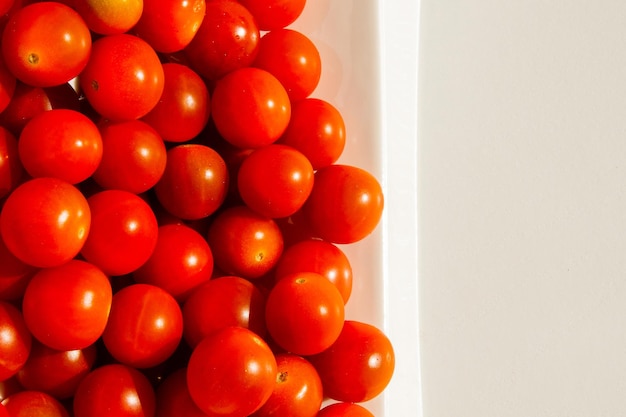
(33,404)
(325,258)
(145,326)
(123,234)
(298,391)
(274,14)
(195,182)
(170,25)
(173,399)
(223,302)
(56,372)
(342,409)
(184,107)
(46,44)
(244,243)
(11,167)
(293,59)
(346,204)
(109,18)
(60,143)
(45,222)
(67,307)
(227,39)
(316,129)
(133,156)
(181,261)
(16,341)
(358,366)
(275,180)
(114,390)
(123,79)
(231,372)
(14,275)
(304,313)
(250,107)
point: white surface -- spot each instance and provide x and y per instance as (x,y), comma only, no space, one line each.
(522,208)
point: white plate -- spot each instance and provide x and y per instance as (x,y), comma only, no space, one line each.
(369,72)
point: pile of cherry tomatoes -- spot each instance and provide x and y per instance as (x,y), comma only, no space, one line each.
(173,214)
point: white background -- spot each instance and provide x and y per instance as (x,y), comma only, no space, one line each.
(522,208)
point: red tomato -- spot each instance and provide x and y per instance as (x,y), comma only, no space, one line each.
(297,392)
(60,143)
(123,79)
(316,129)
(344,410)
(275,180)
(11,168)
(231,372)
(45,222)
(304,313)
(9,387)
(184,107)
(34,404)
(56,372)
(274,14)
(319,256)
(46,43)
(145,326)
(181,261)
(67,307)
(133,156)
(173,399)
(14,275)
(3,411)
(123,233)
(227,39)
(7,86)
(195,182)
(345,205)
(358,366)
(250,107)
(223,302)
(15,343)
(293,59)
(169,25)
(114,390)
(244,243)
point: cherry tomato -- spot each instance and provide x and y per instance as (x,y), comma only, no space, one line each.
(275,180)
(7,86)
(16,340)
(222,302)
(145,326)
(34,404)
(250,108)
(46,43)
(114,390)
(45,222)
(345,205)
(60,143)
(314,255)
(195,182)
(184,107)
(181,261)
(133,156)
(123,233)
(56,372)
(231,372)
(293,59)
(123,79)
(244,243)
(298,389)
(14,275)
(274,14)
(358,366)
(344,410)
(67,307)
(304,313)
(316,129)
(109,17)
(227,39)
(3,411)
(9,387)
(11,168)
(173,399)
(170,25)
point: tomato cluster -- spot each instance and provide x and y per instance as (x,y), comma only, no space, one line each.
(172,215)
